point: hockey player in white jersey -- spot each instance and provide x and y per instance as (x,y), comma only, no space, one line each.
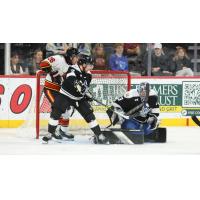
(55,67)
(138,110)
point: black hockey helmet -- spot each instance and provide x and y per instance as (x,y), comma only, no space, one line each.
(143,90)
(85,59)
(71,52)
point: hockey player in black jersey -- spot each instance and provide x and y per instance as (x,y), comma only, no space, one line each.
(138,110)
(74,92)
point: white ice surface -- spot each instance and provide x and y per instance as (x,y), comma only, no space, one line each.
(180,140)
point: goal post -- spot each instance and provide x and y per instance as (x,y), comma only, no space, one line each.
(106,86)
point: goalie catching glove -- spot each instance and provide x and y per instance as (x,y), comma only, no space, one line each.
(113,116)
(153,121)
(145,110)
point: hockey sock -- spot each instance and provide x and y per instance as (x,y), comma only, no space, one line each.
(51,129)
(65,129)
(64,123)
(52,126)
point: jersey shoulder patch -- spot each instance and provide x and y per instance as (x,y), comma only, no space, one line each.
(153,93)
(131,93)
(75,67)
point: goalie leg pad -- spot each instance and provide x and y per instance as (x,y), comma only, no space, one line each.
(159,135)
(133,131)
(128,136)
(112,138)
(130,124)
(147,129)
(136,136)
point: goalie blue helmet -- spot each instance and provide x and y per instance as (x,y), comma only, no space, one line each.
(143,90)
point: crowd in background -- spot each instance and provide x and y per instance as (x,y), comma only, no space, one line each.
(166,59)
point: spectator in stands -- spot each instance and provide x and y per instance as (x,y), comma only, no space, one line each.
(85,48)
(159,62)
(2,51)
(15,67)
(34,64)
(56,48)
(118,61)
(109,49)
(134,55)
(99,57)
(181,64)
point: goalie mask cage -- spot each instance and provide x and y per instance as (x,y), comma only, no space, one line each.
(106,86)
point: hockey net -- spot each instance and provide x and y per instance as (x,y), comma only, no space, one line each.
(106,86)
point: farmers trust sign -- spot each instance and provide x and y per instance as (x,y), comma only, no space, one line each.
(169,94)
(176,95)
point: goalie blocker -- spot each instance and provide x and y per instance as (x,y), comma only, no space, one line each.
(123,136)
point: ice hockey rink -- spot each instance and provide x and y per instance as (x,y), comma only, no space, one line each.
(180,140)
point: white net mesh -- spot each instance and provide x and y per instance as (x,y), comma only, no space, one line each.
(106,86)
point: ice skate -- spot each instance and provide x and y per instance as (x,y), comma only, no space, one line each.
(54,137)
(66,136)
(101,139)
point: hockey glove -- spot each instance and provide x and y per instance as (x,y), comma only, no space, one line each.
(56,78)
(88,96)
(80,87)
(45,66)
(145,110)
(153,121)
(112,116)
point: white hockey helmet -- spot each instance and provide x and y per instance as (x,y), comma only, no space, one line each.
(143,90)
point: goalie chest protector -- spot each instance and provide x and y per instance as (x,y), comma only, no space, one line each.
(132,99)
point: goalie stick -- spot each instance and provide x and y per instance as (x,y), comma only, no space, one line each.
(120,114)
(195,120)
(133,112)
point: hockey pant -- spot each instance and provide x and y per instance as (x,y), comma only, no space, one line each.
(131,124)
(63,103)
(64,119)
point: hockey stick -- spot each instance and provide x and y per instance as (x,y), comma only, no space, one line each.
(195,120)
(131,114)
(120,114)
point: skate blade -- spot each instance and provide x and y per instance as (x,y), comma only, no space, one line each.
(57,140)
(44,142)
(68,139)
(52,141)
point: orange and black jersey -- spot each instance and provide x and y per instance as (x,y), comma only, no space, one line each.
(52,85)
(55,66)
